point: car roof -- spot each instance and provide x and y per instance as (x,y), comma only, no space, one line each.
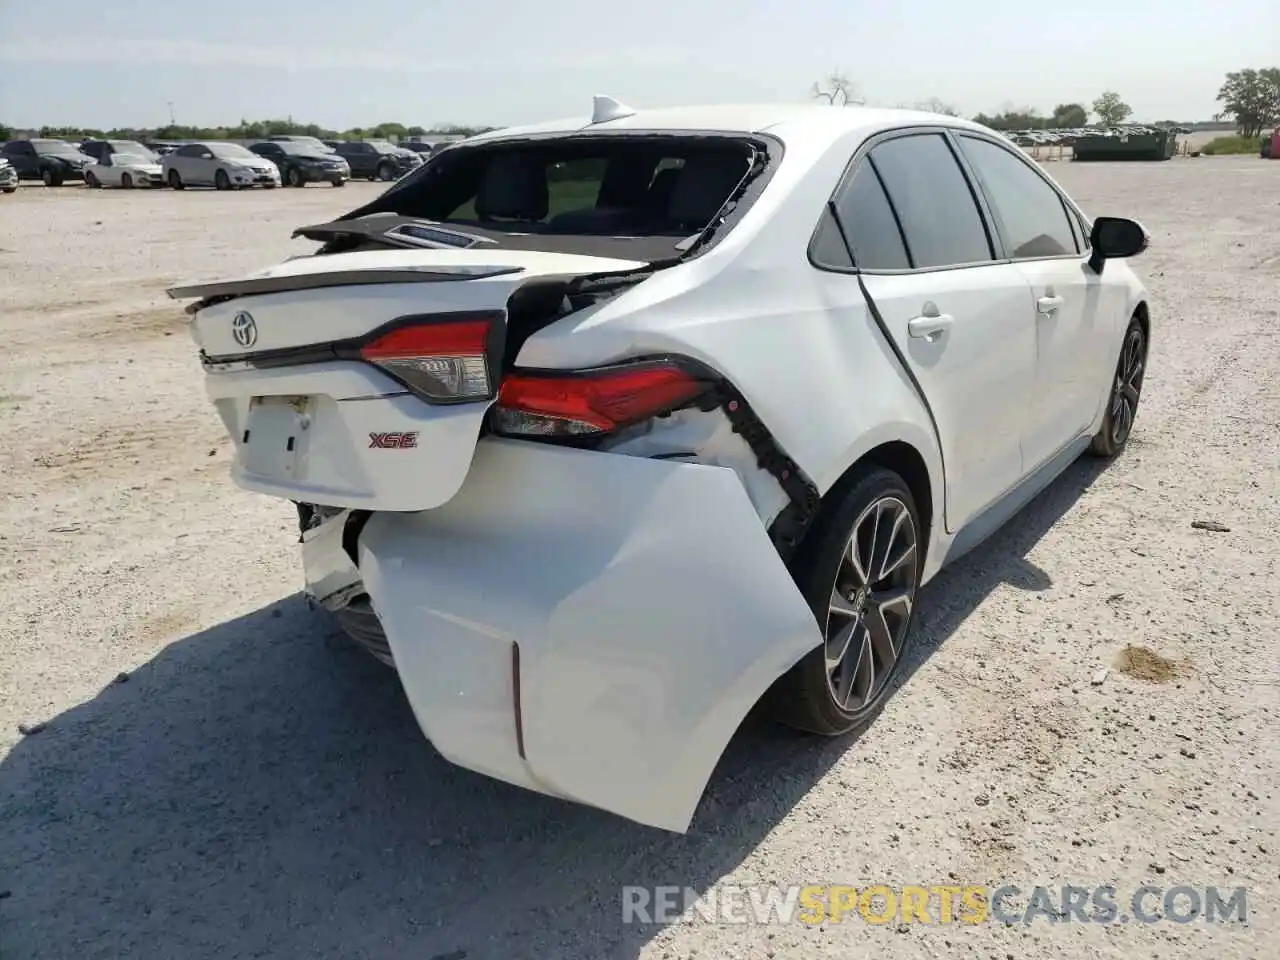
(789,122)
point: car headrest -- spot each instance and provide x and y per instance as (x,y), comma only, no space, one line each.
(513,188)
(704,184)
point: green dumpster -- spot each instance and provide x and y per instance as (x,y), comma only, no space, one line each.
(1143,145)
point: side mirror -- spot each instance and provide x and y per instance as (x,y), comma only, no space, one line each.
(1115,238)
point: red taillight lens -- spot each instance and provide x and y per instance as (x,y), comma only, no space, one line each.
(592,402)
(442,361)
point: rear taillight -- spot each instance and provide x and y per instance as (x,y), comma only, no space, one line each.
(441,360)
(591,402)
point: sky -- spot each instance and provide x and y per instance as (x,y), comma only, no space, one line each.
(345,63)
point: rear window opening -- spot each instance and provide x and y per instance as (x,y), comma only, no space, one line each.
(603,186)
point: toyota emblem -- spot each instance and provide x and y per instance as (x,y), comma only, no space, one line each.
(244,329)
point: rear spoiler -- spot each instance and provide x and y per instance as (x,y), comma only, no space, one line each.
(228,289)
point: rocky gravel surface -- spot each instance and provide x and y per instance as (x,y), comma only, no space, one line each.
(193,765)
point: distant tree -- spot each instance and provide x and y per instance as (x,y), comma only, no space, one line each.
(416,131)
(6,132)
(934,105)
(1251,98)
(837,90)
(1014,118)
(1111,110)
(1069,115)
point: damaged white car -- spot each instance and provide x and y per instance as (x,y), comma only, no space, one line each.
(602,430)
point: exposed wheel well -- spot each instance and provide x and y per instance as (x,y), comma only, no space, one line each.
(904,460)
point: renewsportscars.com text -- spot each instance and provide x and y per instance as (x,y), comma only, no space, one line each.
(933,904)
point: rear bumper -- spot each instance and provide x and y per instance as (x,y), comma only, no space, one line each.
(587,625)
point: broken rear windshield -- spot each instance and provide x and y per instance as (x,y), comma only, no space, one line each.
(619,186)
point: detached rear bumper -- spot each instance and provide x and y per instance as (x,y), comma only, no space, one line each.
(587,625)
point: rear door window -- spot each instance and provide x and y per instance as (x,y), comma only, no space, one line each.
(933,201)
(870,225)
(1033,219)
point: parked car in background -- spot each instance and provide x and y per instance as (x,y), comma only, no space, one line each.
(122,163)
(52,161)
(8,176)
(775,365)
(315,143)
(301,163)
(162,149)
(376,159)
(216,163)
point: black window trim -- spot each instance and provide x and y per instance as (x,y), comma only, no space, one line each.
(994,242)
(1030,164)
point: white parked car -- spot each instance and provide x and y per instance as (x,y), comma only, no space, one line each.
(8,176)
(601,431)
(121,163)
(214,163)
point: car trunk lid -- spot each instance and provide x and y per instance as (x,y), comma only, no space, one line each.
(362,379)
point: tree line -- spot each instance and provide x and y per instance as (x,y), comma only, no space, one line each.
(1250,99)
(249,130)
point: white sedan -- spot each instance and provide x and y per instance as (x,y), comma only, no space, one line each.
(603,430)
(121,163)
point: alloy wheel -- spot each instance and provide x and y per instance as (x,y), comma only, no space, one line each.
(871,602)
(1127,389)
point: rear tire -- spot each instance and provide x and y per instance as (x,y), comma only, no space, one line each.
(859,570)
(1126,391)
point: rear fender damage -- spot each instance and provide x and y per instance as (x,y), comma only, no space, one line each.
(642,600)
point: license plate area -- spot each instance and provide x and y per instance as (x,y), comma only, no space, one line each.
(275,435)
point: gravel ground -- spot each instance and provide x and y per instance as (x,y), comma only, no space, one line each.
(218,777)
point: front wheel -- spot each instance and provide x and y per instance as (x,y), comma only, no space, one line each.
(1126,391)
(175,180)
(50,178)
(386,172)
(126,181)
(860,573)
(10,189)
(92,181)
(221,181)
(295,178)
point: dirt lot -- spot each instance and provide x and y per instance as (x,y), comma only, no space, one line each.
(250,787)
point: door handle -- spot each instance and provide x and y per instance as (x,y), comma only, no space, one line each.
(929,328)
(1048,305)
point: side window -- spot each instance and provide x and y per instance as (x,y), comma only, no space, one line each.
(191,150)
(932,198)
(870,224)
(1033,220)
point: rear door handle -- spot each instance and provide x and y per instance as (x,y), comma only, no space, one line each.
(929,328)
(1048,305)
